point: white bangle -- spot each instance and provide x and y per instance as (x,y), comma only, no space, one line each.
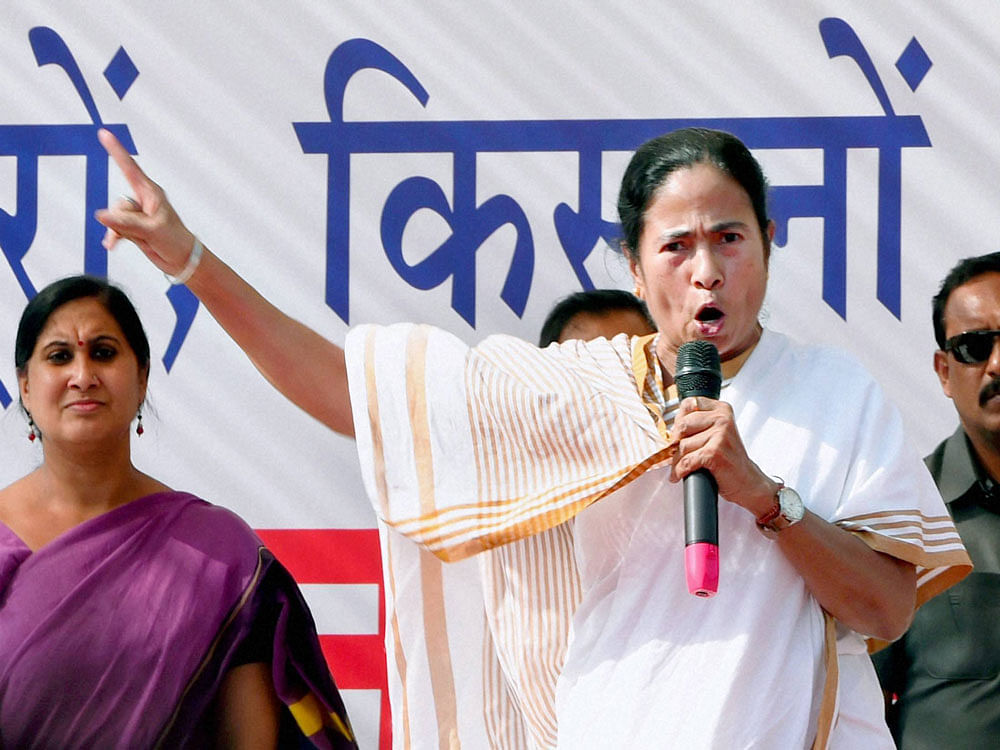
(192,264)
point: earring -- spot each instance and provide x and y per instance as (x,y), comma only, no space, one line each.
(32,430)
(138,427)
(637,292)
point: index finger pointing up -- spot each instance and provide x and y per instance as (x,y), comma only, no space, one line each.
(135,176)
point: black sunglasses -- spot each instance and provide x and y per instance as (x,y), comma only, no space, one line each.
(972,347)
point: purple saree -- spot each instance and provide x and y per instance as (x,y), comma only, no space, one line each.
(119,632)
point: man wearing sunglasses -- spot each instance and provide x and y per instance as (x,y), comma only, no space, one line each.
(945,672)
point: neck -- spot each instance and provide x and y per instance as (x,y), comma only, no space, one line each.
(732,361)
(89,481)
(987,448)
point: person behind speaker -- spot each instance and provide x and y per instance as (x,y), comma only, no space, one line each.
(596,313)
(943,675)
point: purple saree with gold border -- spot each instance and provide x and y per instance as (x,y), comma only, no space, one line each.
(119,632)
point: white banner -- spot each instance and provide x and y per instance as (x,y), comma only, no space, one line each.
(457,164)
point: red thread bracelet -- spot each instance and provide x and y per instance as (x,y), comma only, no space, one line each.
(768,517)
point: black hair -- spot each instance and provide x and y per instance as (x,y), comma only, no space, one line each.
(595,302)
(655,160)
(965,271)
(38,311)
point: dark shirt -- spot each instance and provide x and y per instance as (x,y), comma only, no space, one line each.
(945,671)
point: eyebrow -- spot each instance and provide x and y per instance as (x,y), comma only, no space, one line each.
(97,339)
(722,226)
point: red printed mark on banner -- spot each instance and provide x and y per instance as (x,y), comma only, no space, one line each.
(344,556)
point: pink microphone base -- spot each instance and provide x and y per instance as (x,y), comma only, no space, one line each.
(701,565)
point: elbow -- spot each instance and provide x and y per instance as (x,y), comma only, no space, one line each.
(892,625)
(880,620)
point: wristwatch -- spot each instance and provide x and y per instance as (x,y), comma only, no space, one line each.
(788,510)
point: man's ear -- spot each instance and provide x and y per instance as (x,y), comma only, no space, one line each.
(943,369)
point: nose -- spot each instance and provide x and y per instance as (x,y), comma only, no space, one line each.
(706,272)
(993,363)
(83,374)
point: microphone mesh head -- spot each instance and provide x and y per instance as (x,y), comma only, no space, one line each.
(698,371)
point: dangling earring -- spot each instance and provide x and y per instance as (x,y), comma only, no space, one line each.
(32,430)
(138,427)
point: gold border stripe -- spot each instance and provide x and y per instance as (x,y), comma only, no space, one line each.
(397,646)
(308,714)
(431,576)
(828,703)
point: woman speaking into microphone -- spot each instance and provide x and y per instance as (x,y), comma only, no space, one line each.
(830,530)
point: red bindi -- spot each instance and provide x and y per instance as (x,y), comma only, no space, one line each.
(79,343)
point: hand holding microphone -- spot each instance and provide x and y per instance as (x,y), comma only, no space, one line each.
(698,372)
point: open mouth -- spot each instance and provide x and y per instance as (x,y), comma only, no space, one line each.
(708,315)
(709,320)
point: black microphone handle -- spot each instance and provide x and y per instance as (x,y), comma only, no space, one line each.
(701,508)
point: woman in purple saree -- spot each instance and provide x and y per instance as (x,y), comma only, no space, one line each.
(132,615)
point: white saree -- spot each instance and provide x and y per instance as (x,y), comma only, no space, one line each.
(464,450)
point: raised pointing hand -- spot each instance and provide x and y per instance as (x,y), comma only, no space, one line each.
(148,219)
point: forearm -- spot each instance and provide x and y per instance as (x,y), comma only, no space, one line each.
(305,367)
(866,590)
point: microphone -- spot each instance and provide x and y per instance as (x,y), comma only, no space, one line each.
(699,373)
